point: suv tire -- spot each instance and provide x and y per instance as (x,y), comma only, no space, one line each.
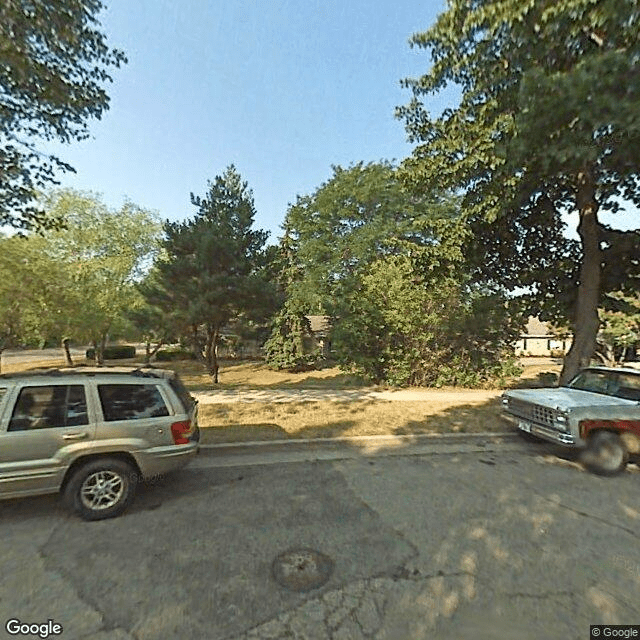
(102,488)
(605,454)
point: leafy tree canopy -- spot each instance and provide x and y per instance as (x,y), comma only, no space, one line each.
(403,328)
(54,62)
(79,281)
(547,122)
(360,214)
(32,292)
(386,265)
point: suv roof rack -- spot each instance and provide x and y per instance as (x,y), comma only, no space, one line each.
(88,370)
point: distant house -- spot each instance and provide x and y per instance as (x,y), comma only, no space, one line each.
(540,339)
(321,333)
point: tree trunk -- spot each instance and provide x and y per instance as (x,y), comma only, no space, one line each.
(211,353)
(606,354)
(67,352)
(586,320)
(197,347)
(98,348)
(149,352)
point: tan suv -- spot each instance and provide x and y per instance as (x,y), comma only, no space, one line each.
(92,433)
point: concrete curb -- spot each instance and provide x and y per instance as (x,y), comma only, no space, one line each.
(272,452)
(417,438)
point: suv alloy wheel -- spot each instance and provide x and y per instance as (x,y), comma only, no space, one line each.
(101,488)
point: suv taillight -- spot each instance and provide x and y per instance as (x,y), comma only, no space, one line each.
(180,432)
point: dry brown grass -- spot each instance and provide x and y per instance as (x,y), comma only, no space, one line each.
(241,422)
(234,422)
(18,367)
(252,375)
(256,375)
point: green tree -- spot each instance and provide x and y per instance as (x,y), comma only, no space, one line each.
(287,344)
(105,253)
(381,261)
(547,122)
(154,324)
(54,61)
(361,213)
(620,327)
(17,307)
(79,281)
(33,292)
(331,236)
(407,329)
(214,267)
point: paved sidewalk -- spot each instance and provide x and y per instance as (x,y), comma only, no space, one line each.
(344,395)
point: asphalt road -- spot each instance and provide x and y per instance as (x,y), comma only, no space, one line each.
(497,541)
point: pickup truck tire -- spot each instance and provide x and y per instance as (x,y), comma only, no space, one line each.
(102,488)
(606,454)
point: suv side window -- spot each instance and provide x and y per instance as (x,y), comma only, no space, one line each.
(131,401)
(49,406)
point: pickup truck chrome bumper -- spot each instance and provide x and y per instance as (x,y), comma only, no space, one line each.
(546,433)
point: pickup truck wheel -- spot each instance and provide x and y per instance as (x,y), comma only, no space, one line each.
(101,488)
(605,454)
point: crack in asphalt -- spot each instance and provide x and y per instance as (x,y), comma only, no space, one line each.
(586,514)
(538,596)
(345,604)
(49,564)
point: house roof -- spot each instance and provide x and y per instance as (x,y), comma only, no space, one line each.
(536,327)
(319,324)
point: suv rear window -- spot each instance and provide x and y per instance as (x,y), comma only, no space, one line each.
(131,401)
(42,407)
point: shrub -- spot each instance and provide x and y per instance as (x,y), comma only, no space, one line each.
(548,378)
(290,346)
(169,355)
(402,329)
(115,352)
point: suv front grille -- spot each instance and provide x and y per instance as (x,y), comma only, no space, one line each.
(533,412)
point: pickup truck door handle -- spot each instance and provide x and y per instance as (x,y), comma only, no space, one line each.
(78,435)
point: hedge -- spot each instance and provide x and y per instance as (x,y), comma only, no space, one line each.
(116,352)
(167,355)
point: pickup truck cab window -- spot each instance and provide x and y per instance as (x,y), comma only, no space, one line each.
(611,383)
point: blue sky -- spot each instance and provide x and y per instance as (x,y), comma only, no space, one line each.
(283,89)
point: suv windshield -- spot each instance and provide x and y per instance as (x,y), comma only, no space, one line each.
(610,383)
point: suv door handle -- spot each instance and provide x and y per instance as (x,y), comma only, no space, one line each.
(75,436)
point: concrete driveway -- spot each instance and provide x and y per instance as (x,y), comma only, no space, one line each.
(506,542)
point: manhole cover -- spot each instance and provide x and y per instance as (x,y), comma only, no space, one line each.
(302,569)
